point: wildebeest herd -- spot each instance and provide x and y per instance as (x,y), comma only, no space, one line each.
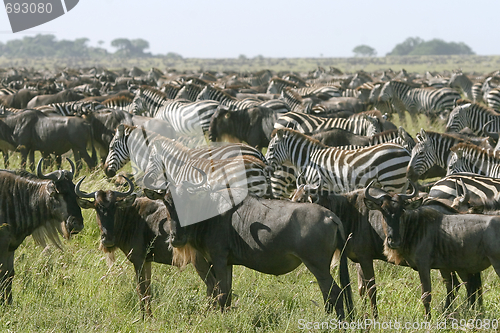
(266,170)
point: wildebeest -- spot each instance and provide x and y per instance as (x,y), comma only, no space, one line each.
(253,125)
(270,236)
(33,130)
(63,96)
(18,100)
(426,238)
(139,228)
(42,205)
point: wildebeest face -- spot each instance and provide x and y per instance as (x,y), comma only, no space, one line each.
(64,204)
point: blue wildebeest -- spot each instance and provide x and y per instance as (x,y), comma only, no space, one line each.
(270,236)
(43,206)
(139,228)
(427,238)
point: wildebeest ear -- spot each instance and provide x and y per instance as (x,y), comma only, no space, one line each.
(371,205)
(414,204)
(52,189)
(126,201)
(85,204)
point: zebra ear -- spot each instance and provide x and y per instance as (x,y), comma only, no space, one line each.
(423,134)
(120,130)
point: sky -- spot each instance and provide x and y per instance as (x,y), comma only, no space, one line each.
(273,28)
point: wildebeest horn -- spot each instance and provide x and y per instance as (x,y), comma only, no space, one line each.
(129,192)
(378,199)
(495,136)
(149,183)
(55,175)
(405,196)
(73,169)
(83,194)
(200,184)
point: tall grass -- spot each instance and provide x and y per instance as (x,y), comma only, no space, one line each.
(75,291)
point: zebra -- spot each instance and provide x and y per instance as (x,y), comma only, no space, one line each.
(307,124)
(170,90)
(477,118)
(172,162)
(190,91)
(482,190)
(417,100)
(473,159)
(132,143)
(4,91)
(295,78)
(119,103)
(460,81)
(283,180)
(216,94)
(70,108)
(148,100)
(258,79)
(188,118)
(432,148)
(492,98)
(277,85)
(339,170)
(295,101)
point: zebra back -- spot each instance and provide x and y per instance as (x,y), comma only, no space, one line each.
(474,116)
(470,158)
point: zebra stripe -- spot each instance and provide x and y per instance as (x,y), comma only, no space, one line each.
(216,94)
(475,117)
(190,91)
(148,101)
(473,159)
(339,170)
(119,103)
(492,98)
(463,83)
(307,124)
(70,108)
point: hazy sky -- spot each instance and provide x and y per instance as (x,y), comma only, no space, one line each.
(274,28)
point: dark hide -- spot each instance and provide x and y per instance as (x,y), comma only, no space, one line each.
(426,238)
(30,205)
(338,137)
(33,130)
(272,237)
(60,97)
(253,125)
(18,100)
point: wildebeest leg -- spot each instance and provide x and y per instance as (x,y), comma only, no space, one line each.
(330,290)
(143,274)
(5,158)
(452,285)
(224,274)
(204,270)
(32,160)
(474,288)
(24,156)
(58,162)
(78,160)
(367,275)
(90,162)
(425,279)
(6,265)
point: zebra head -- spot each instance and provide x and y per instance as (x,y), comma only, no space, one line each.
(458,118)
(387,92)
(456,163)
(138,103)
(423,156)
(277,151)
(119,153)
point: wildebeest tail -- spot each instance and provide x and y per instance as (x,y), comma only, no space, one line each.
(345,281)
(94,154)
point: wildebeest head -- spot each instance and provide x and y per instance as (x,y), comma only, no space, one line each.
(105,204)
(392,208)
(63,200)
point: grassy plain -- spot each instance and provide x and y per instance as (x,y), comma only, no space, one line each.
(75,291)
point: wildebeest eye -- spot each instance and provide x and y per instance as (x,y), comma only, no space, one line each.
(227,116)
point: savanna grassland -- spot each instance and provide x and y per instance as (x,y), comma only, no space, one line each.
(74,290)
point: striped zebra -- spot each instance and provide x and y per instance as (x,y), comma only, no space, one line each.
(74,108)
(4,91)
(277,85)
(172,162)
(430,101)
(461,82)
(188,118)
(147,101)
(307,124)
(295,101)
(339,170)
(283,180)
(477,118)
(473,159)
(482,190)
(492,98)
(131,143)
(260,78)
(217,94)
(170,90)
(119,103)
(295,78)
(190,91)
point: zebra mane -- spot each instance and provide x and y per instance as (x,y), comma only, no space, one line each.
(289,131)
(450,136)
(408,84)
(288,83)
(147,90)
(220,91)
(117,100)
(475,152)
(289,92)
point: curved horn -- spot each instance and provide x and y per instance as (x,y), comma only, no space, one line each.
(55,175)
(129,192)
(495,136)
(412,195)
(149,183)
(377,200)
(83,194)
(203,180)
(465,190)
(73,169)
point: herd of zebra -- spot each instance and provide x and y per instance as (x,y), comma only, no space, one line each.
(273,133)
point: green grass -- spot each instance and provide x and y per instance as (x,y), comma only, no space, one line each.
(75,291)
